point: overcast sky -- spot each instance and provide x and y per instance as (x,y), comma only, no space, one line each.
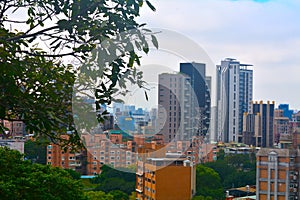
(259,32)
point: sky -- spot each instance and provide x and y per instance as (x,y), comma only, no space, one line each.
(265,33)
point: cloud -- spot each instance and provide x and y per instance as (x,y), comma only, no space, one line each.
(258,1)
(264,34)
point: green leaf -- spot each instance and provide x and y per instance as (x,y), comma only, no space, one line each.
(154,41)
(150,5)
(146,95)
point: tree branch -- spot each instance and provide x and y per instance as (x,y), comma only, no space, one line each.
(48,55)
(33,34)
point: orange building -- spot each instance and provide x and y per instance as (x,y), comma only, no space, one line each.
(98,151)
(277,174)
(165,178)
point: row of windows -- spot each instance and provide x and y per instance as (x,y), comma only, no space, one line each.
(149,180)
(113,152)
(149,190)
(113,158)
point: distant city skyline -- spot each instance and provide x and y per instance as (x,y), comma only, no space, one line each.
(263,33)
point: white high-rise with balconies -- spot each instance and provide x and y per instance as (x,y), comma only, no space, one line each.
(234,95)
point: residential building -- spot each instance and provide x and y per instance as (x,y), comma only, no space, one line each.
(175,107)
(286,110)
(258,125)
(277,174)
(58,157)
(281,126)
(201,87)
(165,179)
(184,100)
(99,150)
(234,94)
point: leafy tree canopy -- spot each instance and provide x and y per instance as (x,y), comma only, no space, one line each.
(208,183)
(23,180)
(36,38)
(235,170)
(112,179)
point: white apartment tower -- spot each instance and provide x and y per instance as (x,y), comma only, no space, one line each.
(234,95)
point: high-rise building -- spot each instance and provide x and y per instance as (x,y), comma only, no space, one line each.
(184,100)
(277,174)
(201,86)
(259,124)
(234,94)
(174,112)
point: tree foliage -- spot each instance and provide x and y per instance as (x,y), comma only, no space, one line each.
(235,170)
(36,38)
(208,183)
(98,195)
(35,152)
(113,179)
(21,179)
(112,195)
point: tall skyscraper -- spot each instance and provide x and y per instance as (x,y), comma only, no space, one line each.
(234,94)
(184,102)
(174,109)
(201,85)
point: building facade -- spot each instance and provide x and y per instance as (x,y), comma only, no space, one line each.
(258,125)
(281,126)
(234,94)
(201,86)
(175,107)
(165,179)
(277,174)
(184,100)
